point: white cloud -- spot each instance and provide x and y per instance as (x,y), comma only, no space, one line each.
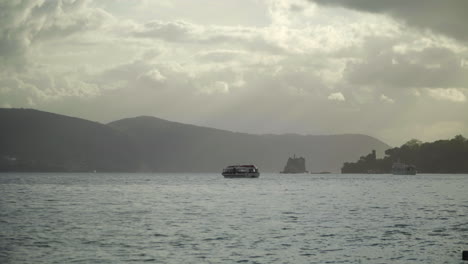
(23,24)
(337,97)
(386,99)
(152,75)
(449,94)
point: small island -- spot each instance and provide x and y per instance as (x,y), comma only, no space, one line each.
(295,165)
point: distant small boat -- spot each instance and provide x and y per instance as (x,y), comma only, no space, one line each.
(399,168)
(241,171)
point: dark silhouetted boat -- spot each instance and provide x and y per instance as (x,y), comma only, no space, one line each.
(399,168)
(241,171)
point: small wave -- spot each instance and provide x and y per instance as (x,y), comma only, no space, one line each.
(439,233)
(449,211)
(378,245)
(215,239)
(401,225)
(396,258)
(460,228)
(389,233)
(379,207)
(90,242)
(41,244)
(330,250)
(160,235)
(289,213)
(279,237)
(140,260)
(292,218)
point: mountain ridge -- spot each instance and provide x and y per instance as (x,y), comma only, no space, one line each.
(242,147)
(240,132)
(152,144)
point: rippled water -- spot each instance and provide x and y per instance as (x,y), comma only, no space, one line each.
(204,218)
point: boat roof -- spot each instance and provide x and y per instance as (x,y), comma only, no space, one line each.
(244,166)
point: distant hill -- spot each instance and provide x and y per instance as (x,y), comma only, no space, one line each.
(32,140)
(171,146)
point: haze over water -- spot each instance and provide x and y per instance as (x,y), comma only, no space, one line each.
(204,218)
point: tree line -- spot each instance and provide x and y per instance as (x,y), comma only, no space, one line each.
(441,156)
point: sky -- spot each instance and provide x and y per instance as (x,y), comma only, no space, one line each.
(396,70)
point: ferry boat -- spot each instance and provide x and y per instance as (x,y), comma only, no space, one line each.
(241,171)
(399,168)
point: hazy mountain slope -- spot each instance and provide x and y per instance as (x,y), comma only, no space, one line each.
(32,140)
(170,146)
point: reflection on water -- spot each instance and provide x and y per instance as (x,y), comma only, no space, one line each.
(197,218)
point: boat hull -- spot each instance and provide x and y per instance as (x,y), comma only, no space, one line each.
(241,175)
(403,169)
(404,172)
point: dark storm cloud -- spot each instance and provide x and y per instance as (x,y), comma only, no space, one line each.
(25,23)
(431,67)
(448,17)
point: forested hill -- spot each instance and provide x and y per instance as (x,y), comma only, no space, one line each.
(442,156)
(32,140)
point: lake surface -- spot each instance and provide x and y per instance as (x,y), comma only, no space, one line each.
(204,218)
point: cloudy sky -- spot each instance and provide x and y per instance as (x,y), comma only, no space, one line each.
(395,69)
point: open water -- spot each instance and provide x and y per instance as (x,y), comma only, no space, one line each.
(204,218)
